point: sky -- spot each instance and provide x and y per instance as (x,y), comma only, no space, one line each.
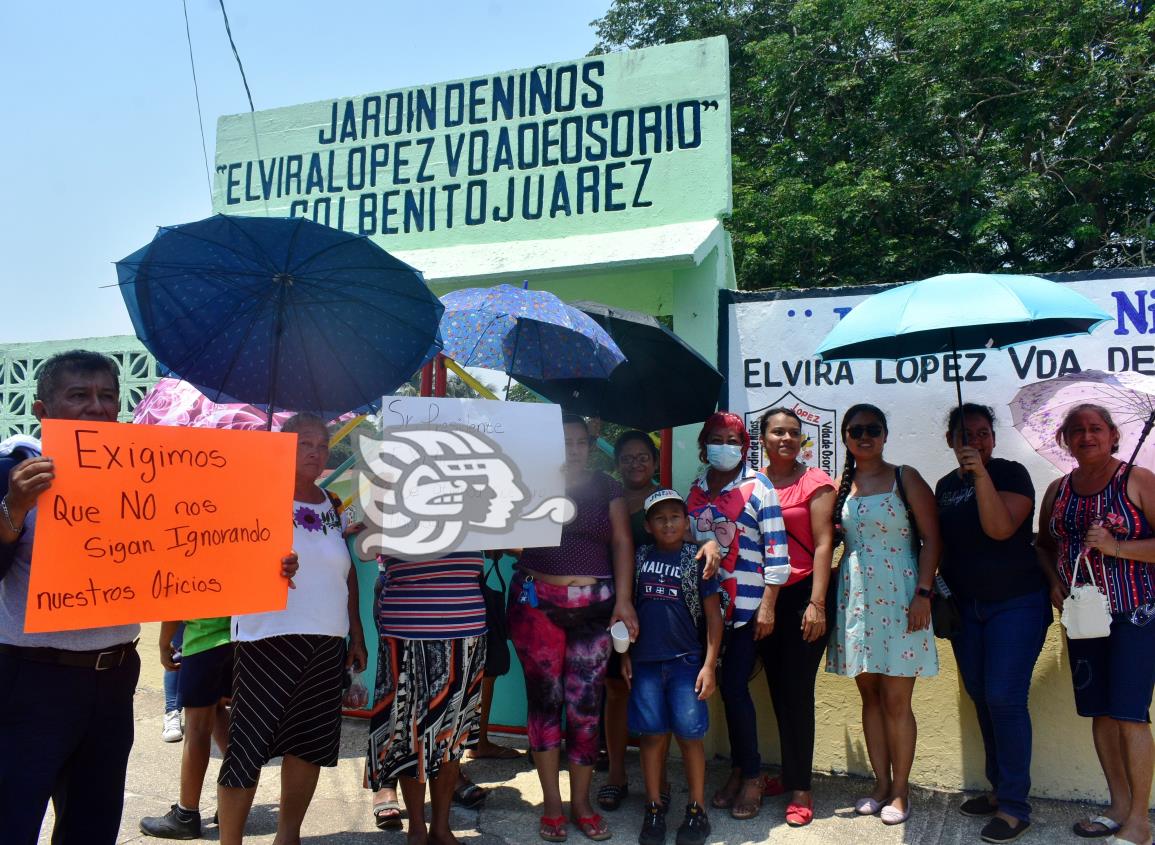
(100,143)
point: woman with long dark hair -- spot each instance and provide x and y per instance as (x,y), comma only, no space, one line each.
(792,651)
(881,638)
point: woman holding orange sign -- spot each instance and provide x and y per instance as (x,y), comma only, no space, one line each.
(290,663)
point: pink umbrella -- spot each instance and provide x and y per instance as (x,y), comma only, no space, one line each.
(174,402)
(1038,410)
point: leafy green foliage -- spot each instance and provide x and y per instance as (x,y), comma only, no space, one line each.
(889,140)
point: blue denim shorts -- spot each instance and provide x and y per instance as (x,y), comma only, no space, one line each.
(662,699)
(1114,675)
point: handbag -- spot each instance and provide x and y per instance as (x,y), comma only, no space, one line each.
(945,615)
(497,660)
(1086,610)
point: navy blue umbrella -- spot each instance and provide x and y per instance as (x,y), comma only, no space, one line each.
(280,312)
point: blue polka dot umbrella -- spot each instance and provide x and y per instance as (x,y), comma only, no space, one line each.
(526,333)
(280,312)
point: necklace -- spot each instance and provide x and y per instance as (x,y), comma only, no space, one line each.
(788,478)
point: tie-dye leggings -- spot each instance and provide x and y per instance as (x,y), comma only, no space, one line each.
(563,646)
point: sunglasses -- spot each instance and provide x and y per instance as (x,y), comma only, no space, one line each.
(871,430)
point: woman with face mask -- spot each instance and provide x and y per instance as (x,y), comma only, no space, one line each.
(730,502)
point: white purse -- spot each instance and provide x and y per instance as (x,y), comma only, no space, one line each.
(1086,610)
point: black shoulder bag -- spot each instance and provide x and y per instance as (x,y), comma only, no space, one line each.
(945,616)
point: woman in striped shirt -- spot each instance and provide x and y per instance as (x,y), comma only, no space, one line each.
(431,621)
(737,507)
(1105,508)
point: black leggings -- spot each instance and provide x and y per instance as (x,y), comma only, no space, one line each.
(791,666)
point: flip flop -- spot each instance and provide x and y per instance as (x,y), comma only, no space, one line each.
(611,795)
(387,815)
(745,806)
(724,799)
(1109,825)
(593,827)
(552,829)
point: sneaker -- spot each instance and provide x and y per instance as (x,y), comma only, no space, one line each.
(980,805)
(171,731)
(695,827)
(177,823)
(653,826)
(997,830)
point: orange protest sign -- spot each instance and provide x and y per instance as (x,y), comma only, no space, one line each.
(147,523)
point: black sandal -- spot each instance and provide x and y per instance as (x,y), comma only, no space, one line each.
(470,796)
(387,815)
(611,796)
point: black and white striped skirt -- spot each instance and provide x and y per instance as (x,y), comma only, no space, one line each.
(286,700)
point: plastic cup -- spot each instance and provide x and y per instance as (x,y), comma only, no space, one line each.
(621,637)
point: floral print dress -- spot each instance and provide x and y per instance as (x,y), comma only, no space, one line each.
(877,578)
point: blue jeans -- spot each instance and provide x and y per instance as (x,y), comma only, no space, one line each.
(734,684)
(996,653)
(172,679)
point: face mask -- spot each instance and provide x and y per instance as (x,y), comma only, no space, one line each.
(723,456)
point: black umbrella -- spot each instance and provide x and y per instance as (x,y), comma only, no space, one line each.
(663,383)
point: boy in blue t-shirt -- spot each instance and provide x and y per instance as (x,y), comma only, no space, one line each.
(669,672)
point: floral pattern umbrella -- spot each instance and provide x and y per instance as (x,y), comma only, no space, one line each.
(1038,410)
(527,333)
(174,402)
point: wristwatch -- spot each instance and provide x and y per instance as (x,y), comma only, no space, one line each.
(925,592)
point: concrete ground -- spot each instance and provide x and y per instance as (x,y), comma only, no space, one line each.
(340,812)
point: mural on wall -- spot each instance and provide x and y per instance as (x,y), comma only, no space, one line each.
(770,337)
(607,143)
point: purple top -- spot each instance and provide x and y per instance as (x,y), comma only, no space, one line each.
(585,541)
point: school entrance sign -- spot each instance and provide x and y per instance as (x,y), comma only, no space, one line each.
(600,144)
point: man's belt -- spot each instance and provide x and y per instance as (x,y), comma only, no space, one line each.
(109,658)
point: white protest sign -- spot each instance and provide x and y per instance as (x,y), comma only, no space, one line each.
(770,340)
(462,475)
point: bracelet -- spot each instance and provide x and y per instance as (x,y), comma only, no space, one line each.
(8,516)
(818,604)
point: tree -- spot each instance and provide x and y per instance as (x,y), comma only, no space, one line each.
(888,140)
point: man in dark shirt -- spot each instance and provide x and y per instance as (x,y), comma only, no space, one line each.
(66,720)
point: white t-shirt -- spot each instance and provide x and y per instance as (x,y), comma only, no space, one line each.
(320,604)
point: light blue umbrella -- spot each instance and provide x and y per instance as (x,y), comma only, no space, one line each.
(959,311)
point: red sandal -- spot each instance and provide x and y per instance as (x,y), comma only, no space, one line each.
(594,827)
(799,815)
(553,829)
(772,786)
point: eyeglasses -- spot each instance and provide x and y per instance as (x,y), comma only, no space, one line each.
(635,460)
(872,430)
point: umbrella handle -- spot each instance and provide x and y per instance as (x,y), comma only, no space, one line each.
(1142,437)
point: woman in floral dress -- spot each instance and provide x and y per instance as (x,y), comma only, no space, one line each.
(881,635)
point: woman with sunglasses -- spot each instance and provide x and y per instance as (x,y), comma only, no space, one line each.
(881,637)
(737,507)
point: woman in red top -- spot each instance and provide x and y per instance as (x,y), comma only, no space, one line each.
(793,649)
